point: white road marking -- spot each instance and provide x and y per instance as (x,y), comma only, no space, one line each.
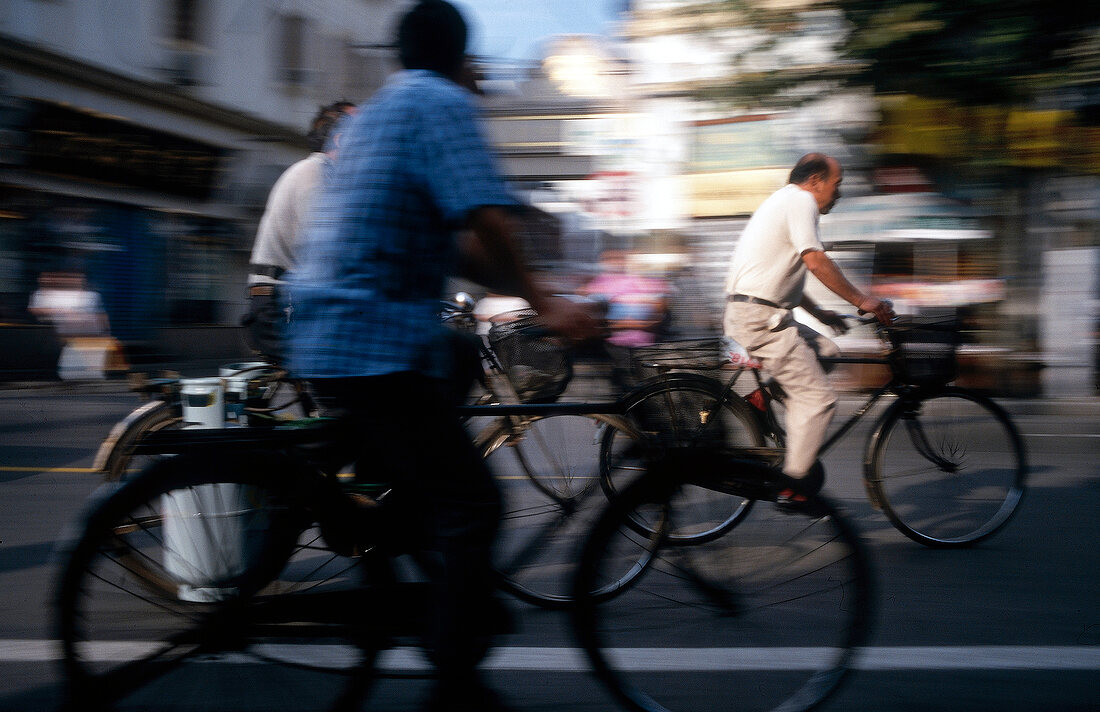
(1062,435)
(990,657)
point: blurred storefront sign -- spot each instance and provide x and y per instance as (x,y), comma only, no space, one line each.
(727,193)
(1013,137)
(609,137)
(735,163)
(611,194)
(738,143)
(955,293)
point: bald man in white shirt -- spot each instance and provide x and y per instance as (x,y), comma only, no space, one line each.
(766,281)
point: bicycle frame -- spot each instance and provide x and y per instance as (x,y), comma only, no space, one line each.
(892,387)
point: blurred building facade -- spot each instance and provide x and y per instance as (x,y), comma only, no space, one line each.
(139,139)
(141,152)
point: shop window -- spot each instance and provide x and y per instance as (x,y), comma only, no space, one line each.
(293,67)
(203,283)
(184,54)
(184,21)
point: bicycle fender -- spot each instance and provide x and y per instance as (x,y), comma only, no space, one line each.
(119,429)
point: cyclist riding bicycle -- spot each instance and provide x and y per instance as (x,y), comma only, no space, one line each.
(766,281)
(275,251)
(414,169)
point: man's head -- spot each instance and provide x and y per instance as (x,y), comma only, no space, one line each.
(819,175)
(432,35)
(326,118)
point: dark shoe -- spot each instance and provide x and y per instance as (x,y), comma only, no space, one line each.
(813,481)
(796,492)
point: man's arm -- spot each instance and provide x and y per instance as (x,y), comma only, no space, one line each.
(491,257)
(830,275)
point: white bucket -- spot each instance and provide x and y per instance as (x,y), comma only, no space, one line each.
(203,402)
(205,532)
(210,534)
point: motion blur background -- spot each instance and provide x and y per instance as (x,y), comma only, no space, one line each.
(139,139)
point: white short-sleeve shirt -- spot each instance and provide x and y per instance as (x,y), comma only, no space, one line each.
(285,215)
(768,260)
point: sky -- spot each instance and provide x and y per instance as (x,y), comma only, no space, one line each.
(516,29)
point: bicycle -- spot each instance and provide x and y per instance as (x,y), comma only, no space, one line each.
(675,545)
(544,527)
(236,543)
(240,549)
(557,451)
(945,464)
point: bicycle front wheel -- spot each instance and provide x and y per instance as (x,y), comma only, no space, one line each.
(116,458)
(673,411)
(767,617)
(197,560)
(948,469)
(547,469)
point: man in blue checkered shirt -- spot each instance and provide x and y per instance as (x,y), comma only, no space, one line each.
(413,171)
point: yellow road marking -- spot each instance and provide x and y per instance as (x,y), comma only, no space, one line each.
(92,470)
(80,470)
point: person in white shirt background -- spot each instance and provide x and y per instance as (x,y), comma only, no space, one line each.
(276,246)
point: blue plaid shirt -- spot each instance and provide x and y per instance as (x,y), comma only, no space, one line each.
(412,165)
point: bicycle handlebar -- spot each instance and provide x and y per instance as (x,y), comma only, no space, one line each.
(860,319)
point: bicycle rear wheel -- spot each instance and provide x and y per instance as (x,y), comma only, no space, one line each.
(204,559)
(547,469)
(948,469)
(767,617)
(674,411)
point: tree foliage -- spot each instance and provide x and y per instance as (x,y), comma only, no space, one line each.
(977,52)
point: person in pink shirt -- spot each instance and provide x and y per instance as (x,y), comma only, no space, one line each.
(637,305)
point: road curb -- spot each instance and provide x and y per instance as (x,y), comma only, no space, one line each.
(1085,407)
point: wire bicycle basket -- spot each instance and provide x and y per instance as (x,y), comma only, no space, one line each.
(707,354)
(924,350)
(537,363)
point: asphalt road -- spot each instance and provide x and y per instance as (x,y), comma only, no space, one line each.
(1012,624)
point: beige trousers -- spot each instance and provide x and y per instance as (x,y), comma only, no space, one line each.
(789,352)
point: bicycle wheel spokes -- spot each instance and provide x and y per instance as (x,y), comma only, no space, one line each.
(681,411)
(547,475)
(950,470)
(169,578)
(768,615)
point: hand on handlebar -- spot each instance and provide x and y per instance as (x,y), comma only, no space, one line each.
(883,309)
(834,321)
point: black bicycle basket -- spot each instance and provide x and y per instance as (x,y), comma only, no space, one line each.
(537,363)
(924,350)
(694,355)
